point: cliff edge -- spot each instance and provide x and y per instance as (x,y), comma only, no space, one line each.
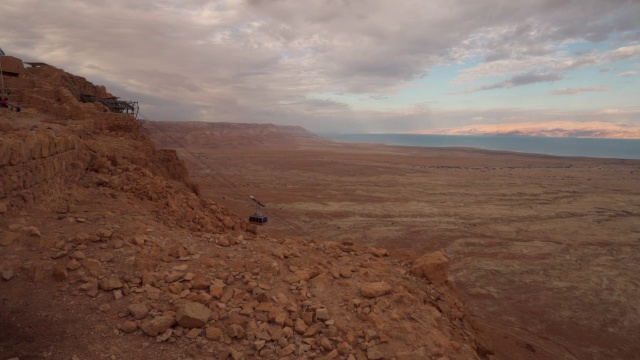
(108,251)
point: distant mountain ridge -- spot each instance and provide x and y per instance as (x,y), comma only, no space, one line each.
(591,129)
(213,134)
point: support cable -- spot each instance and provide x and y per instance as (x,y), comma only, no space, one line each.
(222,180)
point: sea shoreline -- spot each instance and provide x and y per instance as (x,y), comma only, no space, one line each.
(600,148)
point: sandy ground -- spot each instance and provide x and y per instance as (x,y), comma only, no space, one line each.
(544,249)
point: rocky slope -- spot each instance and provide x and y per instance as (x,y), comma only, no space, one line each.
(107,251)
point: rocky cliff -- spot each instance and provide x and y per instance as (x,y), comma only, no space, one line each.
(107,251)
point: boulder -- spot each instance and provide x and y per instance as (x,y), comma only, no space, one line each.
(90,285)
(373,353)
(138,311)
(78,255)
(111,283)
(236,331)
(300,326)
(7,237)
(94,267)
(193,315)
(214,333)
(157,325)
(322,314)
(73,264)
(200,283)
(321,283)
(128,327)
(104,233)
(7,274)
(32,231)
(287,350)
(164,336)
(193,333)
(106,256)
(433,267)
(375,289)
(60,273)
(216,290)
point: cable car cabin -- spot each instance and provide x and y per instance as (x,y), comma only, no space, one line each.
(258,219)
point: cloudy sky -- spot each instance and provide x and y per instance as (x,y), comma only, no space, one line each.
(345,65)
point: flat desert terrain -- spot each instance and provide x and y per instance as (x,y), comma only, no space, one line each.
(544,250)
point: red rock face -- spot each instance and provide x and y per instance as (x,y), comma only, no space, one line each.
(105,238)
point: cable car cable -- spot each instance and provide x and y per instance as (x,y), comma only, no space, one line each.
(229,184)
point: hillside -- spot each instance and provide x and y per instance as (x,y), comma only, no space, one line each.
(532,239)
(107,250)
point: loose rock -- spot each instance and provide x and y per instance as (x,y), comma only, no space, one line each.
(193,315)
(8,237)
(322,314)
(157,325)
(73,264)
(138,311)
(213,333)
(7,274)
(375,289)
(128,327)
(433,267)
(374,353)
(60,273)
(94,267)
(110,283)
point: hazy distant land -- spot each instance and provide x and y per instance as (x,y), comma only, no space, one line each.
(591,129)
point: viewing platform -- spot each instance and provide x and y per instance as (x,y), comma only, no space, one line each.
(113,103)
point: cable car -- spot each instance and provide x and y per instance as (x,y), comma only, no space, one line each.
(258,218)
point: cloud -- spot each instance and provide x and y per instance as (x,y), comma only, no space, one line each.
(527,78)
(628,73)
(262,61)
(573,91)
(378,97)
(558,63)
(614,111)
(531,78)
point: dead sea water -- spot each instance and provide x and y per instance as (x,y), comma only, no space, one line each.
(584,147)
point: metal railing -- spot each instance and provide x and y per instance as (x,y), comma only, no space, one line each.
(113,103)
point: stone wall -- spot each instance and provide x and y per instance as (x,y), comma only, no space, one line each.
(36,165)
(11,66)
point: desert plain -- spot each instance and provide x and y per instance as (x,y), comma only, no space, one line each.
(544,250)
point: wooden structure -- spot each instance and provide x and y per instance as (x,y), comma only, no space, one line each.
(113,103)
